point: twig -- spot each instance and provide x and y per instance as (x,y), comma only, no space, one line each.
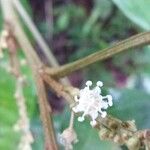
(45,115)
(40,41)
(55,85)
(132,42)
(71,123)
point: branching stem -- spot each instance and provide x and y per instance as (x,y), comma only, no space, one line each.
(132,42)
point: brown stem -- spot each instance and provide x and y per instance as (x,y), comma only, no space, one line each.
(56,85)
(45,116)
(19,95)
(36,34)
(132,42)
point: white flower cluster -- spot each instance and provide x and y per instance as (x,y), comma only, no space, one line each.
(92,103)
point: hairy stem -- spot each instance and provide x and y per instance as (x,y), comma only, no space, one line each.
(132,42)
(45,115)
(55,85)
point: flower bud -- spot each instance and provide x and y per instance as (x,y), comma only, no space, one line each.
(68,137)
(133,143)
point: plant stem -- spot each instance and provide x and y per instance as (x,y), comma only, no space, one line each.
(71,123)
(132,42)
(56,85)
(45,115)
(40,41)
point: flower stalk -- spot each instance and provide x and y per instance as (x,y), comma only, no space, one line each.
(132,42)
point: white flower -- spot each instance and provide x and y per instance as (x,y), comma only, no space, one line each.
(92,103)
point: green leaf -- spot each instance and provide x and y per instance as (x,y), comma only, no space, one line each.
(133,104)
(8,112)
(89,139)
(9,139)
(136,10)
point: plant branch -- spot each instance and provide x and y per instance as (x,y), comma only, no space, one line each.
(132,42)
(40,41)
(55,85)
(45,115)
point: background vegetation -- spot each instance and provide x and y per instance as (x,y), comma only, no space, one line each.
(75,29)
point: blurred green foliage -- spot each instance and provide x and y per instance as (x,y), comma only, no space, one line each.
(8,112)
(136,11)
(87,33)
